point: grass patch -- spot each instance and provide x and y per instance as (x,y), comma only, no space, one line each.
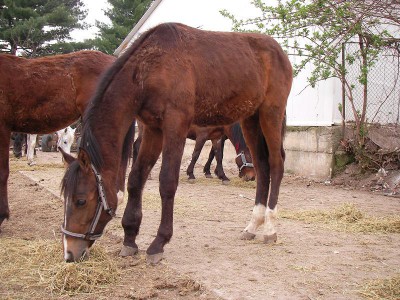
(29,266)
(347,218)
(388,289)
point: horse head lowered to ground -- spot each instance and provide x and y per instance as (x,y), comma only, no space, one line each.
(171,77)
(43,95)
(218,135)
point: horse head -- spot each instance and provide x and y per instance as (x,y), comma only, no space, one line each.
(86,210)
(245,164)
(66,139)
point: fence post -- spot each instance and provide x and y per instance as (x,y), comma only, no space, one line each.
(343,91)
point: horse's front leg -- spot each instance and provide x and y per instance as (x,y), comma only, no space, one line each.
(4,172)
(31,144)
(207,166)
(169,177)
(149,152)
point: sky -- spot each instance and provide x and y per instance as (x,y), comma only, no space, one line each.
(95,12)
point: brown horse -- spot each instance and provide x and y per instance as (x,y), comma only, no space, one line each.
(171,77)
(218,135)
(43,95)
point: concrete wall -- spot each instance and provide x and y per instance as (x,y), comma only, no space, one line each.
(310,150)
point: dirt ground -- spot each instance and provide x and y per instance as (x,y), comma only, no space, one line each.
(205,258)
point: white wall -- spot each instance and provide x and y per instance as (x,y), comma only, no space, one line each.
(311,107)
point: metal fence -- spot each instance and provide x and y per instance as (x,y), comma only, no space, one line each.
(383,105)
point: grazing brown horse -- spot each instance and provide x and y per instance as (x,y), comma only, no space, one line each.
(43,95)
(171,77)
(218,135)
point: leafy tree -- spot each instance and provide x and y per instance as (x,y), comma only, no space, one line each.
(39,27)
(315,31)
(124,14)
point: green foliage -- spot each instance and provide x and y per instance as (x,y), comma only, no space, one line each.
(315,30)
(39,27)
(124,14)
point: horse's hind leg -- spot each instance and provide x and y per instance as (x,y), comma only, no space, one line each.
(200,141)
(219,155)
(149,152)
(272,124)
(4,172)
(259,152)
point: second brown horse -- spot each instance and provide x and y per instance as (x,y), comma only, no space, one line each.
(43,95)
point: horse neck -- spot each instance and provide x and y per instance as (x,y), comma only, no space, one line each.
(235,135)
(110,118)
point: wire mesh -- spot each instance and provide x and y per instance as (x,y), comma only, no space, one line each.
(383,87)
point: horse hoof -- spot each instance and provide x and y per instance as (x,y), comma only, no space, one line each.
(154,259)
(128,251)
(191,180)
(226,182)
(208,175)
(247,236)
(270,239)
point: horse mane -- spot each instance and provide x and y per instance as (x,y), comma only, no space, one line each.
(237,137)
(70,180)
(89,142)
(108,76)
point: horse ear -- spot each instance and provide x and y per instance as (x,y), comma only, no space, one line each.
(69,159)
(84,160)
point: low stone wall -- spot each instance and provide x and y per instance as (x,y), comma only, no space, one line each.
(310,150)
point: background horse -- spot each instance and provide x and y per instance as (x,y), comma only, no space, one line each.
(19,144)
(217,135)
(24,140)
(171,77)
(43,95)
(66,138)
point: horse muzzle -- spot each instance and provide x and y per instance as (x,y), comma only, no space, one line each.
(76,250)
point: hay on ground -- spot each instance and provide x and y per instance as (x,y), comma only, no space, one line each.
(30,265)
(347,217)
(388,289)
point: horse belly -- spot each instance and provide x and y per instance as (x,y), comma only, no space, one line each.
(225,112)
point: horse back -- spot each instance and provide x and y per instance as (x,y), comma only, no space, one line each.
(224,76)
(40,95)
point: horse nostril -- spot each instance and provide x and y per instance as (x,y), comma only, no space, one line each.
(69,257)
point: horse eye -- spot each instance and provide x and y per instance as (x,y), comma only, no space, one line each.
(81,202)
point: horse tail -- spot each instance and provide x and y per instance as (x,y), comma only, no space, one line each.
(283,136)
(127,147)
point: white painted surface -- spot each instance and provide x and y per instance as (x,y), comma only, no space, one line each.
(306,107)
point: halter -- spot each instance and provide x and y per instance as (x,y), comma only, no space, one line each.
(101,204)
(244,161)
